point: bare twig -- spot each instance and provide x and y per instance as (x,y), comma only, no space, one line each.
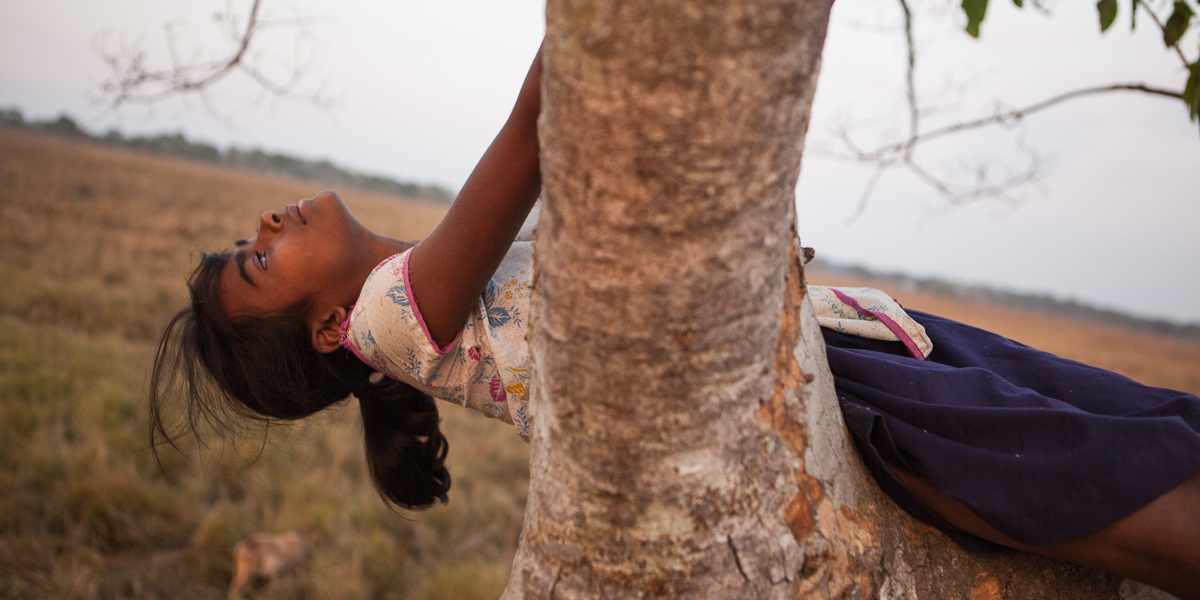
(131,81)
(914,115)
(1163,28)
(868,190)
(903,153)
(1012,116)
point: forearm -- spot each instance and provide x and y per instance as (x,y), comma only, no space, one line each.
(450,268)
(501,190)
(529,100)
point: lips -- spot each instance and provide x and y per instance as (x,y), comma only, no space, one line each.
(294,210)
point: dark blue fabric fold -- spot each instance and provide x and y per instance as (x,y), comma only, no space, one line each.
(1042,448)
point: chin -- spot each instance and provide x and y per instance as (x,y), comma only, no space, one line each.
(330,211)
(328,197)
(330,203)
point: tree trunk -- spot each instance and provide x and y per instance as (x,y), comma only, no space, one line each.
(686,439)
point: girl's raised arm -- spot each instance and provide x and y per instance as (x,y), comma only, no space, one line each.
(450,268)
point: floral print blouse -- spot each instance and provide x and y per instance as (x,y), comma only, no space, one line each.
(869,313)
(486,367)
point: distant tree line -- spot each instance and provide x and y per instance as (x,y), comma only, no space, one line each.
(176,144)
(1035,302)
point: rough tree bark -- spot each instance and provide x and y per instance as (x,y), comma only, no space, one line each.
(687,441)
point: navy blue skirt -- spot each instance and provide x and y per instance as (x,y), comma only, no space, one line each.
(1042,448)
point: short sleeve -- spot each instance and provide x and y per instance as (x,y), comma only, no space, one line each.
(869,313)
(485,368)
(386,330)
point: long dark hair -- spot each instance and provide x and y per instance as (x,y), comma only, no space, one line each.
(264,368)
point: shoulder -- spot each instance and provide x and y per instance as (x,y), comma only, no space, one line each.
(389,271)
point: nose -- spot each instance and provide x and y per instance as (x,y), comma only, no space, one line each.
(270,221)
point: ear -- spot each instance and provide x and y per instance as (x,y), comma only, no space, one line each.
(327,330)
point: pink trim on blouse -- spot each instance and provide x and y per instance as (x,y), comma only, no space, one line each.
(412,301)
(345,340)
(886,320)
(348,344)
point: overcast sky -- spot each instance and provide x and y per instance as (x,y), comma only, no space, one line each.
(422,87)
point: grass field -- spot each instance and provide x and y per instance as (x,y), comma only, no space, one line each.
(93,247)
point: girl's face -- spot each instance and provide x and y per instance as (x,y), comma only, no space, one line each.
(309,253)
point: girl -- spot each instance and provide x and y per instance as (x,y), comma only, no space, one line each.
(991,441)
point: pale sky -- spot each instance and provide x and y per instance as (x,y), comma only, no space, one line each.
(423,87)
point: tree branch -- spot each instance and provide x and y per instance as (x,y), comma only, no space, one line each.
(1162,28)
(1010,116)
(914,114)
(130,81)
(902,153)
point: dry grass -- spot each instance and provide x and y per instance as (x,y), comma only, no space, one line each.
(93,247)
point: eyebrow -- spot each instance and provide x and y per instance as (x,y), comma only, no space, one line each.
(239,259)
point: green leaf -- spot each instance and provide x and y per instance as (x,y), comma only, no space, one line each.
(1191,91)
(1019,3)
(1177,23)
(976,10)
(1108,13)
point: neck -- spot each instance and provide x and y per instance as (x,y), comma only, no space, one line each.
(383,247)
(379,248)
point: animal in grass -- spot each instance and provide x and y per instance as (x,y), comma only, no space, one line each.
(268,556)
(994,443)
